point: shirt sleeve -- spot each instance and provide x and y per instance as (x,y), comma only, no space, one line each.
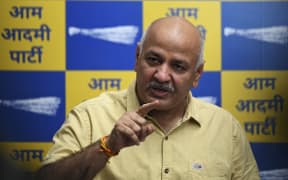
(73,136)
(244,166)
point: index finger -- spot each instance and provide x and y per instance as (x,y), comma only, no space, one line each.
(146,108)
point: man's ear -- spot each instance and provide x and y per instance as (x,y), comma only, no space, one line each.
(198,74)
(137,55)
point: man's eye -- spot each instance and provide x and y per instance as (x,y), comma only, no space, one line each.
(152,60)
(179,67)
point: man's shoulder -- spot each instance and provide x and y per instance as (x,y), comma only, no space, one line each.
(105,99)
(210,114)
(201,104)
(207,109)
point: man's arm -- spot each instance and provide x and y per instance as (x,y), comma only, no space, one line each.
(244,166)
(82,165)
(130,129)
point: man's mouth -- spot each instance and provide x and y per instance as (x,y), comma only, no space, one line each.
(159,92)
(160,89)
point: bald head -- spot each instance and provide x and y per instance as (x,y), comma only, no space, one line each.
(177,32)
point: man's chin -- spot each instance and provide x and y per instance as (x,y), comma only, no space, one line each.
(163,103)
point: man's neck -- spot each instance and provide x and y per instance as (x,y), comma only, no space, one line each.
(167,119)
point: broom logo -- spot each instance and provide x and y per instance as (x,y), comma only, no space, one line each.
(274,34)
(208,99)
(274,174)
(42,105)
(118,34)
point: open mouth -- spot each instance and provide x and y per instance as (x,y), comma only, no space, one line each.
(160,93)
(160,90)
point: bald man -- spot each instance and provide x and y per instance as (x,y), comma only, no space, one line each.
(155,129)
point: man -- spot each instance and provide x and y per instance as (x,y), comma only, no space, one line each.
(155,129)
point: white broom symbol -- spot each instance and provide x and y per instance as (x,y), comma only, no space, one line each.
(117,34)
(208,99)
(274,34)
(275,174)
(41,105)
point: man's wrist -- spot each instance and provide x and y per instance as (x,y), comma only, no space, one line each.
(105,148)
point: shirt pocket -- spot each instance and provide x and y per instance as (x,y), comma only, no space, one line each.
(208,169)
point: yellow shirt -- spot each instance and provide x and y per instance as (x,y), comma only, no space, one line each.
(208,143)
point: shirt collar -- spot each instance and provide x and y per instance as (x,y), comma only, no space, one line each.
(191,112)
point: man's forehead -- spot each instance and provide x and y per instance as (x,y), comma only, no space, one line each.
(173,26)
(174,36)
(171,19)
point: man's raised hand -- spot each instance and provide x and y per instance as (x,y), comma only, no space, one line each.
(132,128)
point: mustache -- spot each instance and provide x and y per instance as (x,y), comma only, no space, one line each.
(162,86)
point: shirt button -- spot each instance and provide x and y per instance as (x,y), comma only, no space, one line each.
(166,170)
(166,138)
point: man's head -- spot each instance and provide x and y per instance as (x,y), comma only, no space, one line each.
(200,59)
(168,62)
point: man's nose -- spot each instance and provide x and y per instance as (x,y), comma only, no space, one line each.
(163,73)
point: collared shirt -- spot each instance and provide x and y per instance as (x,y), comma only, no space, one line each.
(208,143)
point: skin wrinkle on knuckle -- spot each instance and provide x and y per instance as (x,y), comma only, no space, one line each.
(133,117)
(120,130)
(134,138)
(136,128)
(133,126)
(128,122)
(140,124)
(129,132)
(138,119)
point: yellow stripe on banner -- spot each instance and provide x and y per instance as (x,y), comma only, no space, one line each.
(32,35)
(24,155)
(82,85)
(205,15)
(259,100)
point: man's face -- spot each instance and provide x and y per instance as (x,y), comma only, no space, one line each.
(166,70)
